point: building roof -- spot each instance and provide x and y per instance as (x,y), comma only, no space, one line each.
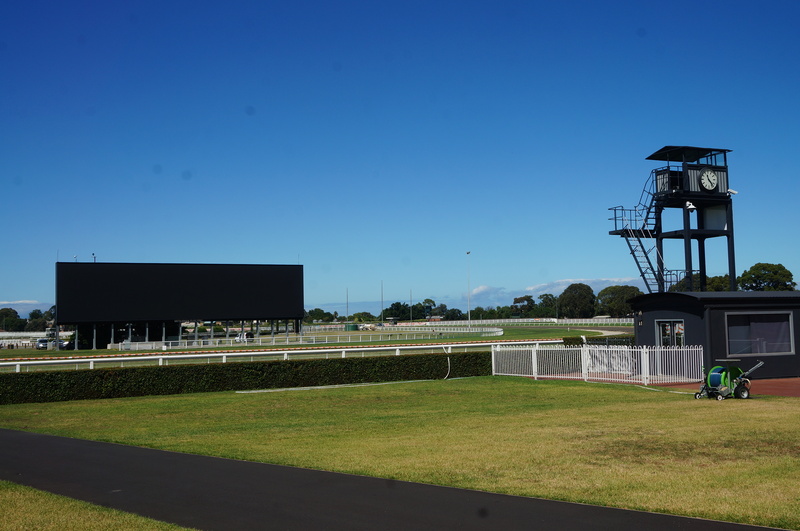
(720,297)
(684,153)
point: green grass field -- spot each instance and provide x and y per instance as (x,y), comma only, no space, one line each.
(613,445)
(25,509)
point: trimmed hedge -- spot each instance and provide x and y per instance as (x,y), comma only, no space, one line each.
(622,340)
(628,340)
(19,388)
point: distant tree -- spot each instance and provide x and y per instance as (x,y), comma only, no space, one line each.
(576,302)
(454,314)
(548,305)
(718,283)
(36,314)
(318,314)
(50,314)
(10,321)
(362,317)
(418,311)
(505,312)
(398,310)
(613,300)
(439,310)
(767,277)
(525,305)
(36,325)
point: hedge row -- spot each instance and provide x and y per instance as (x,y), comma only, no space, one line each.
(18,388)
(627,340)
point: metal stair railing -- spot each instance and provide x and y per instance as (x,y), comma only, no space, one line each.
(637,225)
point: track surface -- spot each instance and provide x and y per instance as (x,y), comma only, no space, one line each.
(212,493)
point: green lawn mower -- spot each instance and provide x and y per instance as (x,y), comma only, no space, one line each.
(724,382)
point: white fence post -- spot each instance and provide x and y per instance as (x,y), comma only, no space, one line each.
(645,363)
(535,360)
(585,362)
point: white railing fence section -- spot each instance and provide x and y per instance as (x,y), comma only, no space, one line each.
(385,334)
(643,365)
(133,360)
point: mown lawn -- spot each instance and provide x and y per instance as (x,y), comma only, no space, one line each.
(26,509)
(614,445)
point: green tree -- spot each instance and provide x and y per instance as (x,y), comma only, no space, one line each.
(454,314)
(548,305)
(418,311)
(718,283)
(613,300)
(318,314)
(525,305)
(36,325)
(439,310)
(767,277)
(363,317)
(36,314)
(398,310)
(576,302)
(10,321)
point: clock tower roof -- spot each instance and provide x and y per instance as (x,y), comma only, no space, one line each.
(685,153)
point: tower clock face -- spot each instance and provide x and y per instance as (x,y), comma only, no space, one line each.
(708,180)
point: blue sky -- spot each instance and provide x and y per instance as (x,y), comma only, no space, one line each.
(377,142)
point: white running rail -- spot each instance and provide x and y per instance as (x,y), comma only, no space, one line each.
(642,365)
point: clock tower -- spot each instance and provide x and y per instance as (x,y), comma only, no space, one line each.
(693,181)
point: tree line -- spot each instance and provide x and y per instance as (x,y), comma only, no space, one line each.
(37,320)
(577,301)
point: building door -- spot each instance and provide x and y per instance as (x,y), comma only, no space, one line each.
(670,333)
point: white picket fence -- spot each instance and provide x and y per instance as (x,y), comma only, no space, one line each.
(641,365)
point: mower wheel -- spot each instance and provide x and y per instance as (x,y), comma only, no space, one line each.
(742,392)
(698,396)
(720,397)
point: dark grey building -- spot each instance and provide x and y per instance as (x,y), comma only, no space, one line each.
(728,324)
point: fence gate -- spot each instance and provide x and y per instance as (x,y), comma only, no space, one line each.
(642,365)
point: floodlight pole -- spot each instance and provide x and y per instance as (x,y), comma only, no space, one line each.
(469,309)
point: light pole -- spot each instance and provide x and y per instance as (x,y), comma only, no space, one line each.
(469,308)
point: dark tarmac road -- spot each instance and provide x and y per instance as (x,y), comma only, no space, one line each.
(212,493)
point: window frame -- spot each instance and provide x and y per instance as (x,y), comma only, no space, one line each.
(673,334)
(790,320)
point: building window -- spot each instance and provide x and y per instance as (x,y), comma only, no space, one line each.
(752,334)
(669,333)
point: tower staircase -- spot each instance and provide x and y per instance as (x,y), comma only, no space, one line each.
(638,226)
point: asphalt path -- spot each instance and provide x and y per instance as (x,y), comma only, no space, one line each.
(213,493)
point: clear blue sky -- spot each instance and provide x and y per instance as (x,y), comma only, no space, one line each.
(378,142)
